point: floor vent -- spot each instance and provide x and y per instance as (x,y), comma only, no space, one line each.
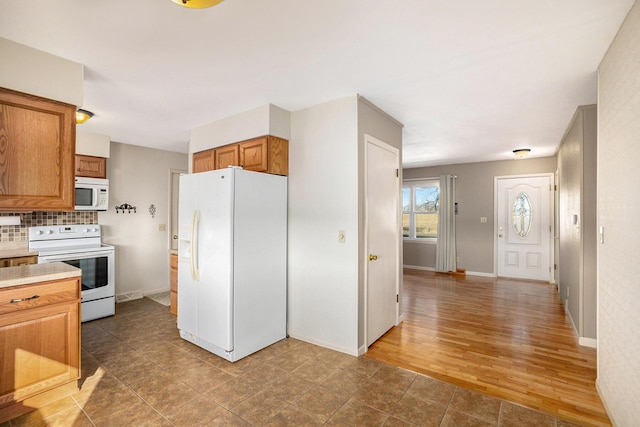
(129,296)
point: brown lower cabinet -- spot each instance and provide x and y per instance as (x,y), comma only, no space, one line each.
(40,349)
(21,260)
(173,274)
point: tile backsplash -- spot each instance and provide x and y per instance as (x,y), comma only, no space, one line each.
(20,233)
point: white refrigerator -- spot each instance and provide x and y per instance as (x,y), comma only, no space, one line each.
(232,261)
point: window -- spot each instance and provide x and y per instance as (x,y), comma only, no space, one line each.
(420,204)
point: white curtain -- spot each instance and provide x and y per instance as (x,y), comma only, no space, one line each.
(446,244)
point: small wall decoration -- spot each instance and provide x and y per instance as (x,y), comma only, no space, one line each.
(152,210)
(127,207)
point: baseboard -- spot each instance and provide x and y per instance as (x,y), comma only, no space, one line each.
(350,351)
(156,291)
(129,296)
(588,342)
(481,274)
(418,267)
(469,273)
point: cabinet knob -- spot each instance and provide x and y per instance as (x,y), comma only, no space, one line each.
(175,237)
(373,257)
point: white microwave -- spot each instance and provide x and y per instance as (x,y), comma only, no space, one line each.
(92,194)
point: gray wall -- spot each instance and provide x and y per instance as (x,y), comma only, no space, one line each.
(577,198)
(139,176)
(618,206)
(474,194)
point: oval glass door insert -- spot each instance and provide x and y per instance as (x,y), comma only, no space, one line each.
(522,214)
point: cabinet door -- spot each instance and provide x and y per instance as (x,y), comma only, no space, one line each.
(253,154)
(40,351)
(203,161)
(37,153)
(173,275)
(90,166)
(226,156)
(278,156)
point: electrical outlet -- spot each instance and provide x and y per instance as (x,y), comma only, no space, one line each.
(483,219)
(341,236)
(162,227)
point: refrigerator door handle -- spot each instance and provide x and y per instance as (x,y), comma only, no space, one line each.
(195,223)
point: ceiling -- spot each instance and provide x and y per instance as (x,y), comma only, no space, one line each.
(471,80)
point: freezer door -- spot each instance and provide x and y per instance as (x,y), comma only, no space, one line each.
(215,258)
(187,289)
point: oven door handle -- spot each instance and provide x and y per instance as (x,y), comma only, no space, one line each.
(73,256)
(195,224)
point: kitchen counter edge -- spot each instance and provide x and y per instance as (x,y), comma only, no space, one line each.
(35,273)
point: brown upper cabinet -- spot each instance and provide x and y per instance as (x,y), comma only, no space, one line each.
(38,140)
(268,154)
(90,166)
(228,155)
(203,161)
(265,154)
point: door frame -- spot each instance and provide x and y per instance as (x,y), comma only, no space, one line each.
(172,172)
(368,139)
(552,204)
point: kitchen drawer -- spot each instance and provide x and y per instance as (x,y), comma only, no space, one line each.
(38,295)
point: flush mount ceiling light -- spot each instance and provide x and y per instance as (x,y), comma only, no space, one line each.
(197,4)
(82,116)
(521,152)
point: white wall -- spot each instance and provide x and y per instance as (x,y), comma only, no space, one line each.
(323,199)
(139,176)
(618,206)
(39,73)
(93,144)
(264,120)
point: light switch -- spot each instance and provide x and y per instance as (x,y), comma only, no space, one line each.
(162,227)
(341,236)
(483,219)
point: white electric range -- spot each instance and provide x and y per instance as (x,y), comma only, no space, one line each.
(81,246)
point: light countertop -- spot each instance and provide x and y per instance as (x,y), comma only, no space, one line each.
(15,249)
(34,273)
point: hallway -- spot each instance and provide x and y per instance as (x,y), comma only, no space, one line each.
(503,337)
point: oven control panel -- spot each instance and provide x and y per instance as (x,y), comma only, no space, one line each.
(58,232)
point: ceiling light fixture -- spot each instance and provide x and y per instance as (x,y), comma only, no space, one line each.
(82,116)
(521,153)
(197,4)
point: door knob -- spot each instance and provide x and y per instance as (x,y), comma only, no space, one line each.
(175,237)
(373,257)
(499,235)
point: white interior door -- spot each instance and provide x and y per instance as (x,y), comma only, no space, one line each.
(383,238)
(523,227)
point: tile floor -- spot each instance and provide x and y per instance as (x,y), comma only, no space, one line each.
(137,371)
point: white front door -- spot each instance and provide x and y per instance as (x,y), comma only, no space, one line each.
(383,238)
(523,226)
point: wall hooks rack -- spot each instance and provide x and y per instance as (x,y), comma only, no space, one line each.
(127,207)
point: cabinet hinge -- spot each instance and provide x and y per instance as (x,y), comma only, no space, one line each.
(555,187)
(555,266)
(397,298)
(397,173)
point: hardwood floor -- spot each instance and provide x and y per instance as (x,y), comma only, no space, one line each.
(507,338)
